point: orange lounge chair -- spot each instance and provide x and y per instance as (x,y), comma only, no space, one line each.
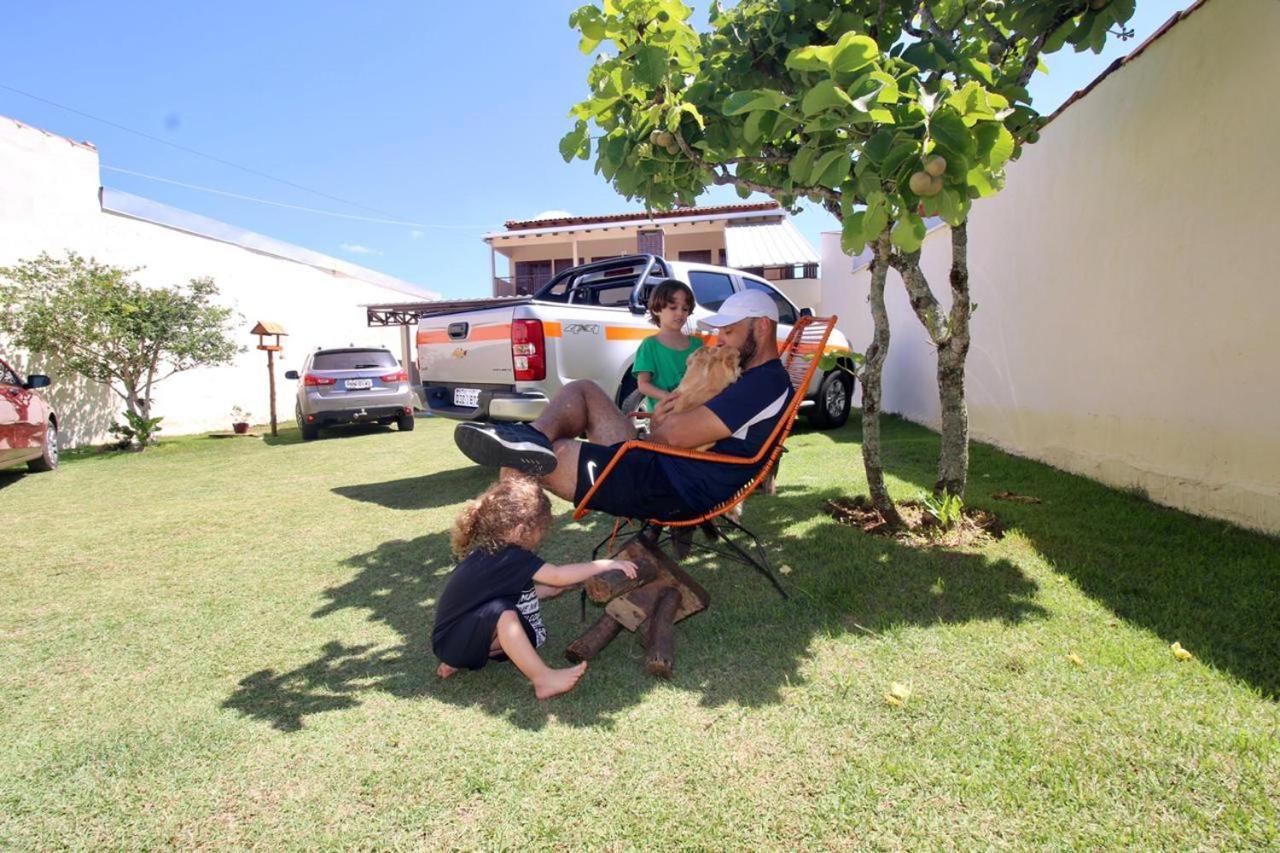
(800,354)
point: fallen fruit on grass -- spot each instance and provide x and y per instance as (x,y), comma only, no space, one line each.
(1075,659)
(921,184)
(898,694)
(1179,652)
(936,165)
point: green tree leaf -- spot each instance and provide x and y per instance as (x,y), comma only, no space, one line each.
(755,99)
(853,52)
(824,96)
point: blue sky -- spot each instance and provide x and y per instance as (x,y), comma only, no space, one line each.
(444,114)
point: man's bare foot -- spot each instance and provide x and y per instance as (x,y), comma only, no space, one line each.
(446,671)
(559,681)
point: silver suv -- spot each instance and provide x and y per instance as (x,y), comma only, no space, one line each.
(351,385)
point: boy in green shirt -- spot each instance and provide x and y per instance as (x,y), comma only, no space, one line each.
(661,360)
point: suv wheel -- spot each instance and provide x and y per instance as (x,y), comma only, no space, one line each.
(310,432)
(404,423)
(48,458)
(835,396)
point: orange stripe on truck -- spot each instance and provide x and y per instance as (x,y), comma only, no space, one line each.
(552,330)
(627,333)
(497,332)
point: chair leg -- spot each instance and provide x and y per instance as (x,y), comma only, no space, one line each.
(761,565)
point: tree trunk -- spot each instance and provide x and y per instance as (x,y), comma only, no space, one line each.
(873,366)
(606,586)
(953,459)
(950,336)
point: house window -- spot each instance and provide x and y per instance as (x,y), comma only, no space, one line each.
(697,256)
(649,243)
(531,275)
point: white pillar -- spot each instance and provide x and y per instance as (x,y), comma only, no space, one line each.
(493,270)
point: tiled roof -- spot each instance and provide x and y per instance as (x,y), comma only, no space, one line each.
(642,216)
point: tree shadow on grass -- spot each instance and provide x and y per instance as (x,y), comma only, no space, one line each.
(1209,585)
(440,488)
(743,650)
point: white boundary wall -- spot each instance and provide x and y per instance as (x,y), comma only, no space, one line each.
(1126,280)
(49,201)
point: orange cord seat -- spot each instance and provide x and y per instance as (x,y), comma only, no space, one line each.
(800,355)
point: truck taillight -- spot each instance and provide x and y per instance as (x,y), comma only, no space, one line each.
(311,380)
(528,350)
(400,376)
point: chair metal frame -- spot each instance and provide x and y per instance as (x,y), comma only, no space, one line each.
(800,354)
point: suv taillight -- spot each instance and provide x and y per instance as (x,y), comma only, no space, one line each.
(311,380)
(528,350)
(401,376)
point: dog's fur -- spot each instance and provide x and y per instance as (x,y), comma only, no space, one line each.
(708,371)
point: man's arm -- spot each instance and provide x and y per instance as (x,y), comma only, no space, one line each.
(693,428)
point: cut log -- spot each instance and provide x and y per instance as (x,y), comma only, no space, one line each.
(594,640)
(660,634)
(607,586)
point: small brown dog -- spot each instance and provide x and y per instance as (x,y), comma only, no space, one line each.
(708,371)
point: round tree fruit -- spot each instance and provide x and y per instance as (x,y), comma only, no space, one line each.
(920,183)
(1098,4)
(665,139)
(936,165)
(935,185)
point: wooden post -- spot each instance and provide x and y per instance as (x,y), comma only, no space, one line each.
(594,640)
(271,380)
(607,586)
(660,634)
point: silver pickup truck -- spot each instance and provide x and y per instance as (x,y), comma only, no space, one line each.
(503,358)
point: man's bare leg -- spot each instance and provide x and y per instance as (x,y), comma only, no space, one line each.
(547,682)
(582,407)
(446,671)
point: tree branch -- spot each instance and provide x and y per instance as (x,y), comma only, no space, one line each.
(1032,57)
(724,177)
(923,302)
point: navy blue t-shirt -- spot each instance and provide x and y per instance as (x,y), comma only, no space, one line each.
(750,408)
(504,576)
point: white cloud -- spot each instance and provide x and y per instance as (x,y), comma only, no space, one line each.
(415,234)
(357,249)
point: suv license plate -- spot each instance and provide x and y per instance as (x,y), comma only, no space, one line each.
(358,384)
(466,397)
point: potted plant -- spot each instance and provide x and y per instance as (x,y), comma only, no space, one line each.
(239,420)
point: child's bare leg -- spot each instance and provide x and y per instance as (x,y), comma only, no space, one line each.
(547,682)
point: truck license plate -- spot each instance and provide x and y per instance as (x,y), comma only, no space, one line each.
(466,397)
(358,384)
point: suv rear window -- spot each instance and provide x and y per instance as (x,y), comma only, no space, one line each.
(353,359)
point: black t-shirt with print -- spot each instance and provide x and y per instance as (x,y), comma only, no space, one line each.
(482,577)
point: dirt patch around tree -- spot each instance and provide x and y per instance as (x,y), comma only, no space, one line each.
(976,527)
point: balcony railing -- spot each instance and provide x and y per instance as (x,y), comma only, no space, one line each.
(518,285)
(789,272)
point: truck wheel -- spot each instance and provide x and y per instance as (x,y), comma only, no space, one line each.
(404,423)
(626,390)
(835,396)
(632,402)
(48,458)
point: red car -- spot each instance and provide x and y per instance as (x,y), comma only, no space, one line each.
(28,426)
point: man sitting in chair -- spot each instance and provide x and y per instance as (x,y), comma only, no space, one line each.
(644,484)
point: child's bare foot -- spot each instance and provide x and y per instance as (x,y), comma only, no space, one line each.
(446,671)
(559,681)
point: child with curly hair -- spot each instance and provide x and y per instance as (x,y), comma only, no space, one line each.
(489,608)
(661,358)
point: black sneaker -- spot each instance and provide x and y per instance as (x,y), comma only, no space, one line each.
(506,445)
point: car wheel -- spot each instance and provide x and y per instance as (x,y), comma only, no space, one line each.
(835,396)
(626,390)
(310,432)
(404,423)
(48,459)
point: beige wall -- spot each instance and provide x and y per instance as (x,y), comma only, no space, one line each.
(49,202)
(1126,281)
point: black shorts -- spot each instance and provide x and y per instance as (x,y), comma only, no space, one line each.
(637,487)
(467,643)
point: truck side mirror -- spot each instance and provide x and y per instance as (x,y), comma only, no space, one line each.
(36,380)
(291,374)
(806,312)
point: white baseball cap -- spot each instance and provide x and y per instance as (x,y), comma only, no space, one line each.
(740,306)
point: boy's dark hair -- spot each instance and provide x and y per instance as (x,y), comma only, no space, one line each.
(665,293)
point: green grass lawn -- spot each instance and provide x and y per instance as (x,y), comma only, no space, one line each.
(227,642)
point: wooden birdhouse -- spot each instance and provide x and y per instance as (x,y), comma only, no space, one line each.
(265,329)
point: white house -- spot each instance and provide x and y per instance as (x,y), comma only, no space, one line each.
(51,200)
